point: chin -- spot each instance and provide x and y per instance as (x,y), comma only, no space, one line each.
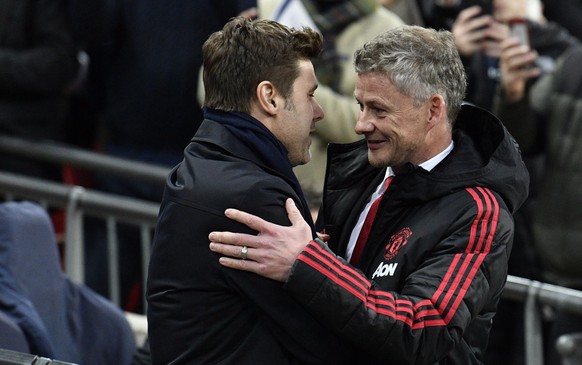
(300,161)
(378,164)
(375,161)
(304,161)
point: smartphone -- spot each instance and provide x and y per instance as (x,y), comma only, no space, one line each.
(486,5)
(520,30)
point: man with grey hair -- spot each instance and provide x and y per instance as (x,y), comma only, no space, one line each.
(419,282)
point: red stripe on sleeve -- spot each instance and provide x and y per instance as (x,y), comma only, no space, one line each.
(452,289)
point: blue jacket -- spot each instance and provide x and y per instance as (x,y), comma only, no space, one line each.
(20,309)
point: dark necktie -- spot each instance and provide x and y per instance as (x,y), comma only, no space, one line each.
(367,226)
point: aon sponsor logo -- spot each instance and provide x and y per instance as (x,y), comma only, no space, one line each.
(385,270)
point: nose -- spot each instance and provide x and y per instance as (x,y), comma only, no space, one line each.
(364,124)
(318,112)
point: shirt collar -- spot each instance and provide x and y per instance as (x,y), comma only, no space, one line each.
(428,165)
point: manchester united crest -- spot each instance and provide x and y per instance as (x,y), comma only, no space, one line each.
(397,241)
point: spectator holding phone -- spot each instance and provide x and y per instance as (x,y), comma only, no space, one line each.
(478,36)
(543,114)
(481,39)
(521,62)
(437,14)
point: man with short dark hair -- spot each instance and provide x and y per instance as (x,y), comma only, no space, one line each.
(259,111)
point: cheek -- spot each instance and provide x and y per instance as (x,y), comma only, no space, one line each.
(308,110)
(302,133)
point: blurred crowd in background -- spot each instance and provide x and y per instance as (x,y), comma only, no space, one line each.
(121,77)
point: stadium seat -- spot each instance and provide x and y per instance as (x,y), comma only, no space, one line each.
(82,326)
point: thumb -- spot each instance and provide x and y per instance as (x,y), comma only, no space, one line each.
(293,212)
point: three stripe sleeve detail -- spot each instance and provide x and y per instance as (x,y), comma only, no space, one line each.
(442,306)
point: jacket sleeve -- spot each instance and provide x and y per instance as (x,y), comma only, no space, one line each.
(47,62)
(460,279)
(182,261)
(303,335)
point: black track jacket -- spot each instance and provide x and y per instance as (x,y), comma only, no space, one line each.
(435,263)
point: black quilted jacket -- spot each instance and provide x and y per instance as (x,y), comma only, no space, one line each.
(436,260)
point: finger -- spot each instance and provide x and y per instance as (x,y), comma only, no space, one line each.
(230,250)
(475,36)
(498,31)
(518,53)
(231,238)
(510,42)
(522,59)
(293,212)
(252,221)
(480,24)
(323,236)
(468,13)
(531,72)
(244,265)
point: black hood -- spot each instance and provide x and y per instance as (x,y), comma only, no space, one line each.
(485,154)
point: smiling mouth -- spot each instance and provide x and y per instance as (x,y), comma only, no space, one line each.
(376,143)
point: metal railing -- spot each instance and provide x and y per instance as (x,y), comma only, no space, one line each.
(78,201)
(8,357)
(535,295)
(61,154)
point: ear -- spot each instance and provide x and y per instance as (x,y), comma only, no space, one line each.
(267,96)
(437,110)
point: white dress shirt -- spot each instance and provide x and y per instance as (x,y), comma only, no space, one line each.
(427,165)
